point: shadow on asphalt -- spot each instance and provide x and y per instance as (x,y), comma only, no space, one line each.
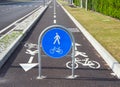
(8,63)
(83,78)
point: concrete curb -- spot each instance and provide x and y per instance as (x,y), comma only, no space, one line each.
(109,59)
(13,46)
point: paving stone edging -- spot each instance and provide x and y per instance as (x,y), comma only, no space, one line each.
(109,59)
(5,55)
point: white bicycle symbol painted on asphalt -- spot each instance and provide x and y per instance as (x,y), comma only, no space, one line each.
(56,50)
(84,62)
(31,45)
(31,49)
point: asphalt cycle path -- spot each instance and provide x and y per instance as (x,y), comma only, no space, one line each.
(91,69)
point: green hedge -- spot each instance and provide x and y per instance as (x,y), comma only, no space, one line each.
(76,2)
(107,7)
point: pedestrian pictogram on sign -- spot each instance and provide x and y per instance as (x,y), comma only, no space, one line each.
(57,39)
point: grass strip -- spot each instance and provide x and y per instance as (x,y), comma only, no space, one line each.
(8,39)
(105,29)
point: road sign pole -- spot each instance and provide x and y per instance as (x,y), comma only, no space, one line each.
(73,76)
(73,58)
(44,36)
(81,3)
(43,2)
(40,59)
(86,5)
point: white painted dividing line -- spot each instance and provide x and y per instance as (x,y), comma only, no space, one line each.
(54,16)
(54,21)
(54,7)
(54,13)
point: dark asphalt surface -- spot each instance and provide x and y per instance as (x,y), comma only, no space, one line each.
(12,75)
(12,11)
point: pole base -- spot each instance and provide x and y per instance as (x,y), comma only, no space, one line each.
(41,77)
(72,76)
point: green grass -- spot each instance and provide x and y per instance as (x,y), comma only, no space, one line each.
(104,28)
(9,38)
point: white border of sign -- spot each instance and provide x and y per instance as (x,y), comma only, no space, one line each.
(72,76)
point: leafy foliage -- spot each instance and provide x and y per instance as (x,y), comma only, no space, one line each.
(107,7)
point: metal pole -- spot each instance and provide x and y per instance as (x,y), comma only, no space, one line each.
(73,59)
(86,4)
(43,2)
(39,59)
(68,1)
(81,4)
(71,2)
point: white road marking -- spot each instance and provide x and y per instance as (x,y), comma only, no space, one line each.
(54,16)
(54,13)
(18,20)
(28,66)
(77,53)
(54,7)
(77,44)
(54,21)
(31,59)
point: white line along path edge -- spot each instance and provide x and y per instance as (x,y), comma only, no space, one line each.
(109,59)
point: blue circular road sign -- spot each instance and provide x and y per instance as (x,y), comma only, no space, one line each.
(56,42)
